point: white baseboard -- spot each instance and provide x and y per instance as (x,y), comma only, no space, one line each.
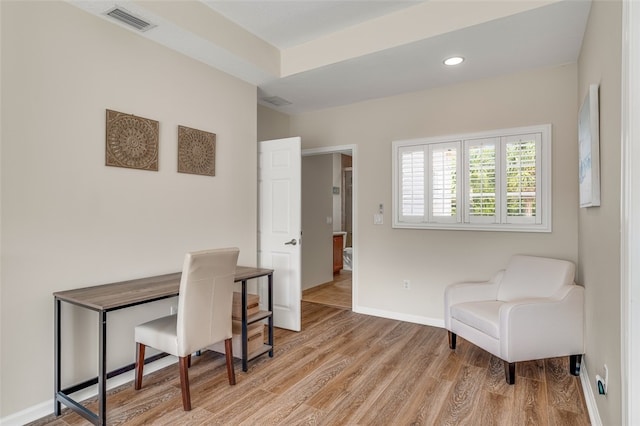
(45,408)
(416,319)
(589,396)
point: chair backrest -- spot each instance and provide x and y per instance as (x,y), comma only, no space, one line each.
(531,276)
(206,298)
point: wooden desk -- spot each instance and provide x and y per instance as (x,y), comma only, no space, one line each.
(110,297)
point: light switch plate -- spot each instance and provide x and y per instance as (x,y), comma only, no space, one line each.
(378,219)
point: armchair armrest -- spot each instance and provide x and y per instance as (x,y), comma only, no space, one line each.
(538,328)
(470,292)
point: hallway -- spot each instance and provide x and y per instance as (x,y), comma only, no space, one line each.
(336,293)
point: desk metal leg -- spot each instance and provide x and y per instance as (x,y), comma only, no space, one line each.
(56,356)
(270,304)
(102,365)
(62,396)
(245,346)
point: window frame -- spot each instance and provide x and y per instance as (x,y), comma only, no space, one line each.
(463,220)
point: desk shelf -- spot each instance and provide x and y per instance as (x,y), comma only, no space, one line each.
(258,317)
(255,354)
(252,319)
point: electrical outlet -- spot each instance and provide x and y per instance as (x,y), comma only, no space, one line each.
(406,284)
(603,383)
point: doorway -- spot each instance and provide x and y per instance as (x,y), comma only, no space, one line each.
(339,188)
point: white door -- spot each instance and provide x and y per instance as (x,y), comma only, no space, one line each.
(279,225)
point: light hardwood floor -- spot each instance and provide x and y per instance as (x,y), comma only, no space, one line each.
(335,293)
(348,368)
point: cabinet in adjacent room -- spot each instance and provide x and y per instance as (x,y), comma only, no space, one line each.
(337,253)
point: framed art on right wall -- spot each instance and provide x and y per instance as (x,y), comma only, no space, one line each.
(589,149)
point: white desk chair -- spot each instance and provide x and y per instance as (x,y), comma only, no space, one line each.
(203,318)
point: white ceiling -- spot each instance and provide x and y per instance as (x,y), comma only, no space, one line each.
(543,37)
(290,23)
(548,35)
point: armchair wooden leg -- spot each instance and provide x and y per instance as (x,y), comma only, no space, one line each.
(184,382)
(574,364)
(510,372)
(139,365)
(452,340)
(228,351)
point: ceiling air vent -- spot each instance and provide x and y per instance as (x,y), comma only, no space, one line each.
(276,101)
(129,19)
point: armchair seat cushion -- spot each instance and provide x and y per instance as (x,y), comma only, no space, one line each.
(483,316)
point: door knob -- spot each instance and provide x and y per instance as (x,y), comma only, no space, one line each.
(293,242)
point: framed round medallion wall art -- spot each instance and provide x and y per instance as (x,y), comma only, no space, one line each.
(196,151)
(131,141)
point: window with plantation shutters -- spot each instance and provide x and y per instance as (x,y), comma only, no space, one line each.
(498,180)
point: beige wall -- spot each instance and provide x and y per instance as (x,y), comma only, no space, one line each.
(431,259)
(67,220)
(272,124)
(317,234)
(599,227)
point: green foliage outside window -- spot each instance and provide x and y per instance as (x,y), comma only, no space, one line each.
(482,180)
(521,178)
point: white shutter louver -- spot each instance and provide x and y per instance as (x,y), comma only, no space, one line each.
(444,175)
(412,183)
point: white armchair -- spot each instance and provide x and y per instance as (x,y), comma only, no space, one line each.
(531,310)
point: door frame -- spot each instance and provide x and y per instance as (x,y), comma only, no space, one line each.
(352,150)
(630,215)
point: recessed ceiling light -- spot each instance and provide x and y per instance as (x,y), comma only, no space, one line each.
(454,60)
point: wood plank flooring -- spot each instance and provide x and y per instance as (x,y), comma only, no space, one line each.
(346,368)
(335,293)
